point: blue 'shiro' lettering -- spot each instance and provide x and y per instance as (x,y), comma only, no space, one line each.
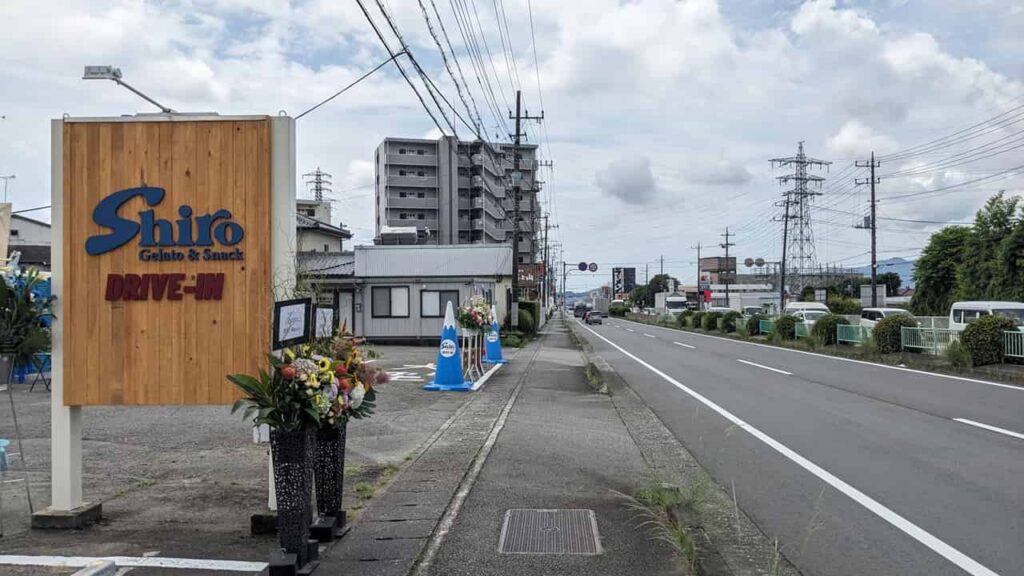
(158,232)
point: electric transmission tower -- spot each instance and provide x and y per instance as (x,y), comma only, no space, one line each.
(798,246)
(319,182)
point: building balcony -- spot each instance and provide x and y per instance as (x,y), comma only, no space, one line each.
(399,202)
(419,224)
(490,207)
(413,181)
(464,182)
(412,159)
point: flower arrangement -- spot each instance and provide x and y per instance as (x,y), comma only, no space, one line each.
(307,391)
(474,314)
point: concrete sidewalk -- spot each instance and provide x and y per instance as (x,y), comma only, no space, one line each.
(536,436)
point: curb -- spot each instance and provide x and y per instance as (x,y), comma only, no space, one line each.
(595,368)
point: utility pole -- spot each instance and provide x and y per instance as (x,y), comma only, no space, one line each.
(647,275)
(700,295)
(726,245)
(662,267)
(785,237)
(517,189)
(872,224)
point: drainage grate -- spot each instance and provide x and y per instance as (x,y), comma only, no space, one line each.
(528,531)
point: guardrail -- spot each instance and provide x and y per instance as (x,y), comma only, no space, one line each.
(1013,344)
(765,326)
(800,330)
(931,340)
(852,334)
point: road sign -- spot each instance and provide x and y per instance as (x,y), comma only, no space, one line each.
(582,266)
(592,267)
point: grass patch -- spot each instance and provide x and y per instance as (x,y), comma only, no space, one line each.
(352,470)
(364,490)
(656,506)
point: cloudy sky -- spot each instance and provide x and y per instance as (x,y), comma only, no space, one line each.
(661,116)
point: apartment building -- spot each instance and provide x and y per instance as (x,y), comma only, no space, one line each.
(454,192)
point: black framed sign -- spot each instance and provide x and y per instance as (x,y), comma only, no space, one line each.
(292,322)
(325,321)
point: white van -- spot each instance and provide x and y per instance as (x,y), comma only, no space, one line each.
(870,316)
(963,313)
(793,307)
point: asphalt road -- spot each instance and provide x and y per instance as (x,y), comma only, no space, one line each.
(855,468)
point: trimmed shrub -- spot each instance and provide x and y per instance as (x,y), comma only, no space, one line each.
(684,318)
(886,333)
(824,329)
(957,355)
(728,323)
(697,320)
(983,339)
(511,341)
(533,307)
(526,323)
(754,324)
(841,305)
(618,311)
(710,321)
(785,327)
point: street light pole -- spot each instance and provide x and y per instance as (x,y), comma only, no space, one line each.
(6,179)
(114,74)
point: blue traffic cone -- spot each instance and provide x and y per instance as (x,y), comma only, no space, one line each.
(493,345)
(448,376)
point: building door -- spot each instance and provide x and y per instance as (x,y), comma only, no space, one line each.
(346,310)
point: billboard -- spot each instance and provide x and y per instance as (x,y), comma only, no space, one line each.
(530,275)
(623,280)
(165,230)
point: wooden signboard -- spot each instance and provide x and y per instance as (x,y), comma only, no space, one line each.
(166,269)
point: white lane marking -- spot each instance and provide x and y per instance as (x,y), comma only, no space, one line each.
(841,359)
(990,428)
(650,335)
(630,330)
(765,367)
(685,345)
(135,562)
(948,552)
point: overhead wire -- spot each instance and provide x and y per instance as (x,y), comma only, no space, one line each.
(447,65)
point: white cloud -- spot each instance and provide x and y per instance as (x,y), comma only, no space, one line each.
(629,180)
(856,139)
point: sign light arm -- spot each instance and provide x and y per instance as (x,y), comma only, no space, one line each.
(112,73)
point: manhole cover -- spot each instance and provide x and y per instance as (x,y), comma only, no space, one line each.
(527,531)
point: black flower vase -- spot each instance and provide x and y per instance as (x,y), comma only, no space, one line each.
(329,473)
(293,478)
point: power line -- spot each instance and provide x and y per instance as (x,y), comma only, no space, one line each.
(356,81)
(959,185)
(1014,114)
(394,57)
(463,22)
(444,58)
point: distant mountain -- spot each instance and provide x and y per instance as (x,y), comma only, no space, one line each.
(901,266)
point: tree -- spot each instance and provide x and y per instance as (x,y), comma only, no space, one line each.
(639,297)
(892,283)
(979,277)
(1011,263)
(936,273)
(660,283)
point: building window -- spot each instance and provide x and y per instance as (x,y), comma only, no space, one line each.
(401,194)
(421,173)
(434,302)
(401,172)
(401,216)
(390,301)
(327,247)
(14,232)
(401,150)
(421,195)
(419,152)
(420,217)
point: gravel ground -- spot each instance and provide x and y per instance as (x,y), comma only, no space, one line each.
(182,481)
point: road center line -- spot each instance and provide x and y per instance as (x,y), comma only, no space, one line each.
(966,563)
(650,335)
(630,330)
(685,345)
(990,428)
(765,367)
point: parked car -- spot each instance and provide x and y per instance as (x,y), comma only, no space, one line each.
(809,315)
(870,316)
(963,313)
(793,307)
(594,318)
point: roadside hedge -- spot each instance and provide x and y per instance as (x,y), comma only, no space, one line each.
(684,318)
(533,307)
(824,329)
(697,320)
(710,321)
(754,324)
(785,327)
(843,305)
(526,322)
(618,311)
(983,339)
(886,333)
(728,322)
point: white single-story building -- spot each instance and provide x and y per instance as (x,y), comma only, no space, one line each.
(399,293)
